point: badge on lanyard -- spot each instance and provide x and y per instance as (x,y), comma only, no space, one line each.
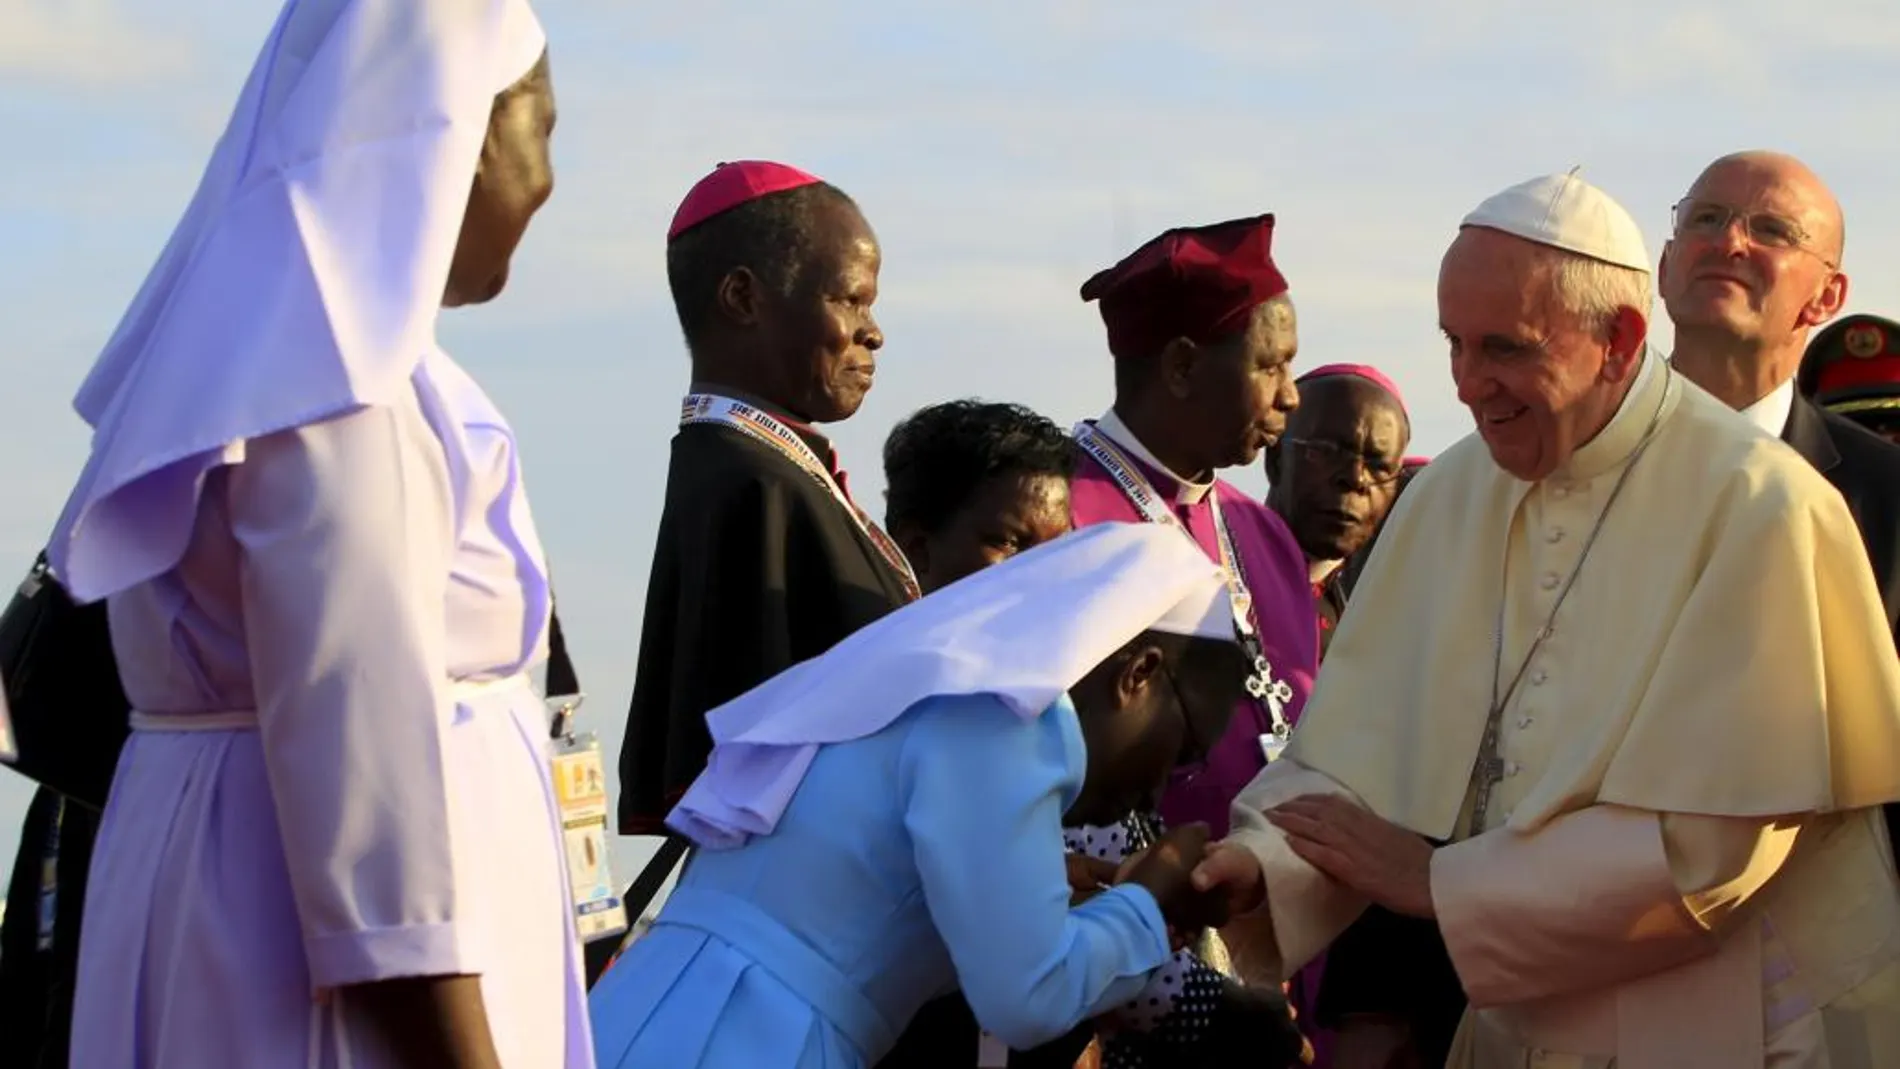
(991,1053)
(580,787)
(1272,745)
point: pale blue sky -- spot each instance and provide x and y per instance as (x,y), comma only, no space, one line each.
(1003,151)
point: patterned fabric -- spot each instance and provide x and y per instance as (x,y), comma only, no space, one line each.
(1178,1006)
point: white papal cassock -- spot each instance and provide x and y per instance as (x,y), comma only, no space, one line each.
(1683,864)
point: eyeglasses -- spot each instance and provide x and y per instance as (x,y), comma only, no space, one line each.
(1331,456)
(1192,760)
(1707,219)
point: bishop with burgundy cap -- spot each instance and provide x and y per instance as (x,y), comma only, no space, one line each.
(732,184)
(1197,282)
(761,559)
(1154,457)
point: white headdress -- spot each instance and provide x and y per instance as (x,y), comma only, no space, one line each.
(1025,630)
(307,273)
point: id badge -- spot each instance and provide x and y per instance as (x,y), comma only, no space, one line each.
(580,786)
(1272,745)
(991,1053)
(9,750)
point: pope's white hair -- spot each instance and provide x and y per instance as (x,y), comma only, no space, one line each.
(1596,291)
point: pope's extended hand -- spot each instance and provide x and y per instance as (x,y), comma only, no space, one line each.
(1381,860)
(1233,873)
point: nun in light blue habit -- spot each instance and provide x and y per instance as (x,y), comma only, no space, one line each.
(883,824)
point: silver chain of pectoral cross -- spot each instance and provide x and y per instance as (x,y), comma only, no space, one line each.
(1267,692)
(1489,770)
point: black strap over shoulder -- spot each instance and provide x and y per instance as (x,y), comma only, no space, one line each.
(69,709)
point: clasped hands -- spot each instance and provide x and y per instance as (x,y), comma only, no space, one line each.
(1200,885)
(1166,869)
(1387,864)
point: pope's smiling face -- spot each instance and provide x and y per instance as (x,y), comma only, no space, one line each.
(1540,378)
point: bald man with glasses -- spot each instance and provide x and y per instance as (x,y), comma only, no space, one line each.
(1752,266)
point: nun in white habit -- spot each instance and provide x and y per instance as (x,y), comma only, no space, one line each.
(882,825)
(332,839)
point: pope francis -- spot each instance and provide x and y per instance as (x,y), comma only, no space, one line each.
(1623,654)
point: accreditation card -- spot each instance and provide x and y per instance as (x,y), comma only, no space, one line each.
(1272,745)
(580,787)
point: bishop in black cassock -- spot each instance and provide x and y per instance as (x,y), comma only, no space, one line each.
(762,560)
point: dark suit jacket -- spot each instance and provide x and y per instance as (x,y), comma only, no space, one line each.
(1865,468)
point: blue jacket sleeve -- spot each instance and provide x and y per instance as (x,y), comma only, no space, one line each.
(984,793)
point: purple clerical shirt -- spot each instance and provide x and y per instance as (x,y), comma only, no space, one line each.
(1276,576)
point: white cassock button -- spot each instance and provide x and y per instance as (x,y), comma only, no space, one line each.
(1560,492)
(1538,677)
(1523,722)
(1554,535)
(1513,768)
(1550,581)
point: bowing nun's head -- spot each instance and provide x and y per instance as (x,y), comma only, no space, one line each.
(972,483)
(513,178)
(1130,620)
(1156,704)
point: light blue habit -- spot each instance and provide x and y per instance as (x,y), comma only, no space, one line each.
(914,860)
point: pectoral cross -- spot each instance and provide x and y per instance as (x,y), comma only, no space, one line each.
(1263,687)
(1491,772)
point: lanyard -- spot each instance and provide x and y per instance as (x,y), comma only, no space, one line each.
(762,427)
(1490,769)
(1269,693)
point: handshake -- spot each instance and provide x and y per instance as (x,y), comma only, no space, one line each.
(1196,885)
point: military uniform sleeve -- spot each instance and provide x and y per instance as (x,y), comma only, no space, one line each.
(345,533)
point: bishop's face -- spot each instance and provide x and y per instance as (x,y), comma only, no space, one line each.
(824,330)
(1239,393)
(1339,465)
(1540,380)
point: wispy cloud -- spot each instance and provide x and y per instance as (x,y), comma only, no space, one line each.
(85,44)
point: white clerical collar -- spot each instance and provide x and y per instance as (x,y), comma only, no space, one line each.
(1771,412)
(1619,437)
(1186,493)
